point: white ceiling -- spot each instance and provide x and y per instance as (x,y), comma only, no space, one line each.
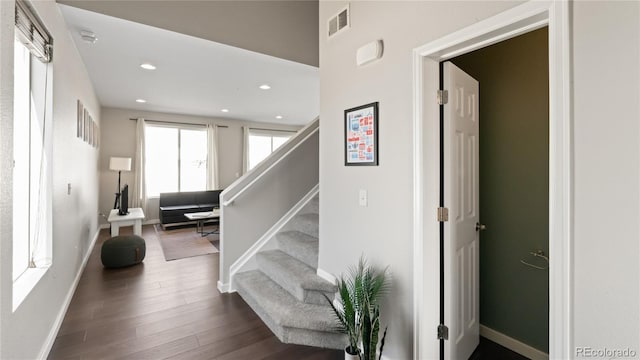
(193,76)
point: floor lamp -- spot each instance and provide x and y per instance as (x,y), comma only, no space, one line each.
(119,164)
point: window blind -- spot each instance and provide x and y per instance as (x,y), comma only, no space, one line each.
(32,32)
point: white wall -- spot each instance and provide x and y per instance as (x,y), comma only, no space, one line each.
(26,332)
(118,139)
(382,231)
(606,149)
(606,53)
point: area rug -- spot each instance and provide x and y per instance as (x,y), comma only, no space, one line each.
(186,242)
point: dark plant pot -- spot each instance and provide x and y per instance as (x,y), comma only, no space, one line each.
(351,354)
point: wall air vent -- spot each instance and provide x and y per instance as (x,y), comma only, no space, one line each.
(339,22)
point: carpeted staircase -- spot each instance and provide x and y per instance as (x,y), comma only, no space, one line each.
(286,292)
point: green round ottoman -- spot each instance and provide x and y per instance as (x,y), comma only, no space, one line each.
(124,250)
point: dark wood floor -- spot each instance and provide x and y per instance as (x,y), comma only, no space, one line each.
(165,310)
(489,350)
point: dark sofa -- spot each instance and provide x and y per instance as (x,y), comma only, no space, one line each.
(174,205)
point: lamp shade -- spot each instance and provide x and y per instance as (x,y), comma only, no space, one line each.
(120,164)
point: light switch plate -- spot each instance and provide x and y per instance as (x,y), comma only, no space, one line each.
(363,198)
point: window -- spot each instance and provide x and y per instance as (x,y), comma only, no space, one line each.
(32,149)
(176,159)
(263,142)
(21,155)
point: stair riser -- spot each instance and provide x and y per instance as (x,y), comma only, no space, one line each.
(305,225)
(315,338)
(307,253)
(306,295)
(315,297)
(314,206)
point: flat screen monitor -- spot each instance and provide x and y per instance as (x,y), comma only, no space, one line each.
(124,201)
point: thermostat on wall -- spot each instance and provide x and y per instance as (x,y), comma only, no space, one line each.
(368,53)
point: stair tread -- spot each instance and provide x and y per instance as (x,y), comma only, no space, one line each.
(297,272)
(299,245)
(282,307)
(297,235)
(311,217)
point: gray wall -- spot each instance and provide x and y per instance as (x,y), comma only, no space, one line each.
(514,184)
(285,29)
(26,332)
(263,204)
(605,46)
(118,139)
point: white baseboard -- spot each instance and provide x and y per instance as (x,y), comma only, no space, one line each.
(264,239)
(513,344)
(224,288)
(44,352)
(327,276)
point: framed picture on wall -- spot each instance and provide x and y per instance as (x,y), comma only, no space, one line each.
(79,120)
(93,132)
(85,126)
(97,136)
(361,135)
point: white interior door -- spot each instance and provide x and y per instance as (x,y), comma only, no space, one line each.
(461,241)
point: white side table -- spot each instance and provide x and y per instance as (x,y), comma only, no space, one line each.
(134,217)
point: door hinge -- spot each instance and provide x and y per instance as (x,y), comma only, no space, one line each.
(443,332)
(443,97)
(443,214)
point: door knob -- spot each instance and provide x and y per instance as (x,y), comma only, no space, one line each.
(480,227)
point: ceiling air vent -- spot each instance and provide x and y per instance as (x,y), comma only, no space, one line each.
(339,22)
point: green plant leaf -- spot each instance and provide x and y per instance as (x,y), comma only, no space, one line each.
(382,342)
(361,294)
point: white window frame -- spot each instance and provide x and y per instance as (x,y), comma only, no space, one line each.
(39,220)
(270,133)
(178,127)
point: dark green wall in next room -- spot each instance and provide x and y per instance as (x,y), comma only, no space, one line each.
(514,184)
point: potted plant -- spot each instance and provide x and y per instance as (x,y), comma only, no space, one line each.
(358,312)
(347,317)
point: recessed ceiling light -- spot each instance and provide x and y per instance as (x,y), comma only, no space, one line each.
(148,66)
(225,110)
(265,87)
(141,100)
(278,116)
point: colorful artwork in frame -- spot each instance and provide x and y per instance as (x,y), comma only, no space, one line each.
(361,135)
